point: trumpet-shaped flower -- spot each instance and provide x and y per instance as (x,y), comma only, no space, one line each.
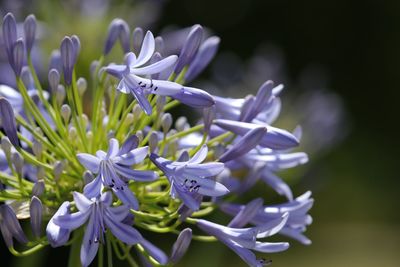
(189,179)
(243,240)
(99,215)
(131,80)
(297,210)
(113,170)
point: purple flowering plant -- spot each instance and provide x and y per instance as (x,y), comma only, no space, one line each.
(99,176)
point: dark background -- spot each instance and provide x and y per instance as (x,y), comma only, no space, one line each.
(355,184)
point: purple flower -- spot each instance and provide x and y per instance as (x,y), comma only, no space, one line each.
(132,82)
(189,179)
(296,209)
(99,215)
(243,240)
(113,170)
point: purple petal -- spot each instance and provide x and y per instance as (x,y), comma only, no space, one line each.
(189,48)
(194,97)
(10,221)
(89,246)
(276,183)
(156,67)
(203,186)
(81,202)
(246,214)
(200,156)
(146,51)
(131,143)
(89,161)
(249,141)
(93,188)
(132,157)
(154,252)
(267,247)
(123,232)
(71,221)
(141,176)
(203,170)
(127,197)
(56,235)
(118,213)
(113,148)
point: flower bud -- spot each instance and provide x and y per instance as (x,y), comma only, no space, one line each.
(27,78)
(29,31)
(67,50)
(159,41)
(206,53)
(6,146)
(181,124)
(166,122)
(55,60)
(81,84)
(18,53)
(18,162)
(36,210)
(77,46)
(66,112)
(41,173)
(153,142)
(54,80)
(58,169)
(139,135)
(37,148)
(189,48)
(118,29)
(60,95)
(8,121)
(38,188)
(208,117)
(181,245)
(160,103)
(137,39)
(9,33)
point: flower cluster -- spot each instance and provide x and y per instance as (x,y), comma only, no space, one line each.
(104,173)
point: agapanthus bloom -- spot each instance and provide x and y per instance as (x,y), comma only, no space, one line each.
(61,163)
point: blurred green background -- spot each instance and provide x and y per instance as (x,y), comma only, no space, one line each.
(354,45)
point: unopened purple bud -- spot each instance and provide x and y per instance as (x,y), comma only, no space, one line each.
(30,31)
(18,162)
(166,122)
(68,58)
(55,60)
(208,117)
(54,80)
(206,53)
(77,46)
(8,121)
(181,245)
(259,103)
(124,36)
(36,210)
(38,188)
(9,33)
(247,106)
(194,97)
(27,78)
(18,53)
(249,141)
(10,221)
(60,94)
(189,48)
(118,29)
(159,44)
(155,58)
(153,142)
(137,39)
